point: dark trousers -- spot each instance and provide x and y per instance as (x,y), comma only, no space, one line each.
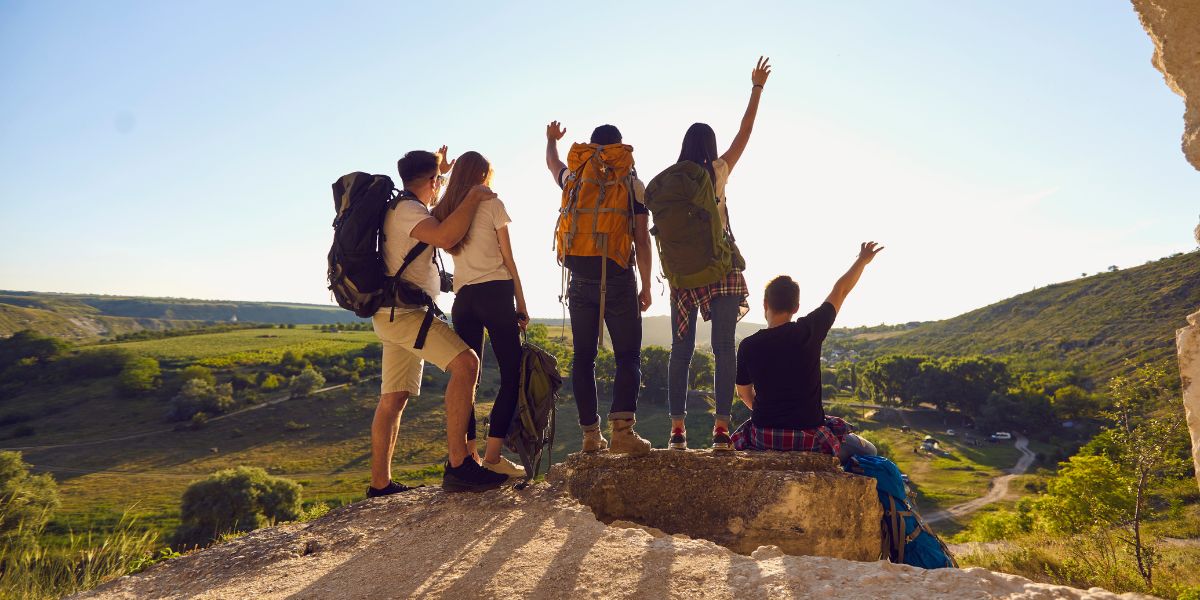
(490,306)
(624,323)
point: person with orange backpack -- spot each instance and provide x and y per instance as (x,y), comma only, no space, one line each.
(701,262)
(602,230)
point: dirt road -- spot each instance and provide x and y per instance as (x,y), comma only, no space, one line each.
(998,491)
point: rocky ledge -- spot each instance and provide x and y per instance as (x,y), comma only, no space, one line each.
(801,502)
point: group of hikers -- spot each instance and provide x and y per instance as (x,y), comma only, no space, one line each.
(603,241)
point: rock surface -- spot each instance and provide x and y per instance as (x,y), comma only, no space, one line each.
(1172,26)
(1187,340)
(801,502)
(536,544)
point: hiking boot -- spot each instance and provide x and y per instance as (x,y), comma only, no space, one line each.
(678,440)
(626,441)
(505,467)
(593,440)
(470,477)
(391,488)
(721,439)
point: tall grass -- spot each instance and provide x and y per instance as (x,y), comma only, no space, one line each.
(33,571)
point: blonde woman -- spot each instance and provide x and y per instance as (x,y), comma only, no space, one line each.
(487,296)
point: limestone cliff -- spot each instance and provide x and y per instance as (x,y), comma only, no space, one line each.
(1174,27)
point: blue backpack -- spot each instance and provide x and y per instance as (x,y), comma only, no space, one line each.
(906,538)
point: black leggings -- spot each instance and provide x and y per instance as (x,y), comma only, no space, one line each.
(490,305)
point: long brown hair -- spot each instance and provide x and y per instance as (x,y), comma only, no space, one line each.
(470,170)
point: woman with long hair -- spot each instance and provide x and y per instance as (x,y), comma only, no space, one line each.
(486,285)
(724,302)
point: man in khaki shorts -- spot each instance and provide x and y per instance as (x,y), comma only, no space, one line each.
(407,224)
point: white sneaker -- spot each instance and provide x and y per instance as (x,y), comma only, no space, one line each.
(505,467)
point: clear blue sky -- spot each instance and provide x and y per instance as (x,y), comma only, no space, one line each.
(187,148)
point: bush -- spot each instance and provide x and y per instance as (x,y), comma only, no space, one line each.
(26,501)
(235,500)
(95,363)
(306,382)
(198,372)
(141,374)
(31,345)
(198,395)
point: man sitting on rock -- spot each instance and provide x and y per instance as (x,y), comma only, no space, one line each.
(779,373)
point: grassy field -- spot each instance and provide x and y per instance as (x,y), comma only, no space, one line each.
(246,347)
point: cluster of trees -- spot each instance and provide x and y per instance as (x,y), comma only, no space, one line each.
(982,388)
(208,327)
(30,357)
(1117,482)
(336,327)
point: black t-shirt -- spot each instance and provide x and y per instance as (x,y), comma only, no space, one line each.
(588,267)
(784,365)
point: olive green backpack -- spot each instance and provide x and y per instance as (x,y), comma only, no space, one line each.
(693,247)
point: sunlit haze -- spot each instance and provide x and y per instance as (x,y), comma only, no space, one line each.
(187,149)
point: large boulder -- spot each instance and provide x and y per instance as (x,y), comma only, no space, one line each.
(801,502)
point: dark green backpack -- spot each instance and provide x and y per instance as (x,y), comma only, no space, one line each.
(532,428)
(692,245)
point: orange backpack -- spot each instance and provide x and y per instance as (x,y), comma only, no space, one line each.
(596,216)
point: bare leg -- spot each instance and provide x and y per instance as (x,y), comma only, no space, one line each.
(384,430)
(460,402)
(492,452)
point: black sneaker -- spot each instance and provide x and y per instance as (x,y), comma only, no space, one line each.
(721,439)
(391,488)
(678,440)
(470,477)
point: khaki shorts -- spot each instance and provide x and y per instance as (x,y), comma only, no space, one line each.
(402,364)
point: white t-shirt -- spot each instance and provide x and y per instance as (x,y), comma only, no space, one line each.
(397,229)
(479,260)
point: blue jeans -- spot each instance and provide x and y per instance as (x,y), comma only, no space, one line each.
(623,319)
(724,311)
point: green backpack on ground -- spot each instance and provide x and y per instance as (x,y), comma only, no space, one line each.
(532,428)
(692,244)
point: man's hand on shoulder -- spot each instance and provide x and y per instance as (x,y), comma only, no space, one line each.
(479,193)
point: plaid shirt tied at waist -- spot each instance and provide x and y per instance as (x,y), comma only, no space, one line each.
(733,284)
(826,439)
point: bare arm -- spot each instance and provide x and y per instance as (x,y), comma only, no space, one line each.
(554,132)
(641,253)
(841,289)
(759,78)
(448,233)
(746,393)
(511,264)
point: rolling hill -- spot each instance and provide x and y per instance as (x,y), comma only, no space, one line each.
(1093,323)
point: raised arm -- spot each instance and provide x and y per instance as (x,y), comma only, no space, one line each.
(511,264)
(759,78)
(641,254)
(554,132)
(841,289)
(448,233)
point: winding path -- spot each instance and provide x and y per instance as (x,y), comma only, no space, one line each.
(999,487)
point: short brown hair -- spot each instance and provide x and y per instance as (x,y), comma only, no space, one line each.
(783,294)
(417,165)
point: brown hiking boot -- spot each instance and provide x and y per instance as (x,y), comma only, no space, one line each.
(626,441)
(593,440)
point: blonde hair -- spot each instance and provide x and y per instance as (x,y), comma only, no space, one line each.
(470,170)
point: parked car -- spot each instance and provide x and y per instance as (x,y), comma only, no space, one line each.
(1001,436)
(951,432)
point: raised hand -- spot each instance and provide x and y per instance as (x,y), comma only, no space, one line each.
(761,71)
(444,166)
(555,131)
(867,251)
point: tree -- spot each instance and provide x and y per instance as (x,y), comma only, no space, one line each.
(235,500)
(891,379)
(1150,445)
(141,374)
(1073,402)
(198,395)
(26,501)
(655,363)
(703,369)
(292,364)
(1088,491)
(31,346)
(199,372)
(306,382)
